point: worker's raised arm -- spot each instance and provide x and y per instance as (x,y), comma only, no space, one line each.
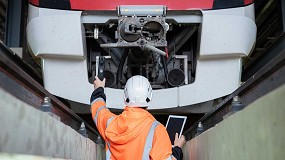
(100,113)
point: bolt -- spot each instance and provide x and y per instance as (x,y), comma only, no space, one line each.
(46,105)
(99,141)
(200,129)
(236,104)
(236,98)
(141,20)
(82,130)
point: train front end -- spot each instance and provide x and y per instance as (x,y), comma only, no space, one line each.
(190,50)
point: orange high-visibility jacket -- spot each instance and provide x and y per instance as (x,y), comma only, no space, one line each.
(125,134)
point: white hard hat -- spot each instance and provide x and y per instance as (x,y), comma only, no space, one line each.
(137,92)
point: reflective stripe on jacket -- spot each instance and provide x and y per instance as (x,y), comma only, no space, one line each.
(126,134)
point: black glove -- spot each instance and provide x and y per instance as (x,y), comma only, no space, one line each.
(177,153)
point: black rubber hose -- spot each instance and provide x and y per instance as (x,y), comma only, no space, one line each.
(121,65)
(165,70)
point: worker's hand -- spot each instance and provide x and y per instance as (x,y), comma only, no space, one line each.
(179,141)
(98,83)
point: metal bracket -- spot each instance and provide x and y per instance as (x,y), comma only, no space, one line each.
(141,10)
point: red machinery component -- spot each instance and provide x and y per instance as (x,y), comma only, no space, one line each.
(111,5)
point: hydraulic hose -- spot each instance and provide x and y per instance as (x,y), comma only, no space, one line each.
(165,69)
(121,65)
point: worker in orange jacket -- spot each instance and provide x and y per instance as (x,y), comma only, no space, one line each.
(135,133)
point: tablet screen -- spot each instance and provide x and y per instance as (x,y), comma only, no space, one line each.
(175,124)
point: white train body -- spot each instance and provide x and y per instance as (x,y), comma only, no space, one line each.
(224,37)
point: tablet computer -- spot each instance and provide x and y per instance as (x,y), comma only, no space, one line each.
(175,124)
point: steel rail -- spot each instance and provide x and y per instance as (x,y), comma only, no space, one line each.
(17,82)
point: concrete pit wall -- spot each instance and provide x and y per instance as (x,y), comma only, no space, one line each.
(255,133)
(25,130)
